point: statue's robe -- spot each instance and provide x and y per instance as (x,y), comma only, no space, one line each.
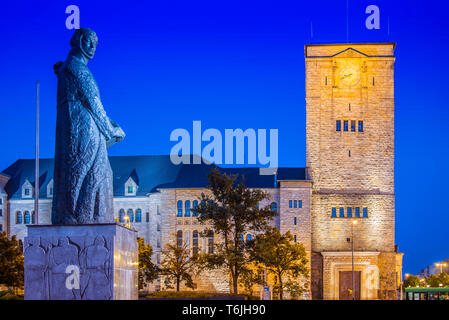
(82,191)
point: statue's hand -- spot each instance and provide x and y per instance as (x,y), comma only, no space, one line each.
(119,135)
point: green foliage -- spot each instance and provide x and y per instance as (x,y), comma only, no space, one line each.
(148,271)
(436,279)
(251,277)
(194,295)
(411,281)
(178,265)
(284,259)
(231,211)
(11,262)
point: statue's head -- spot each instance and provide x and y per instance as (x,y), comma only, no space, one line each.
(85,40)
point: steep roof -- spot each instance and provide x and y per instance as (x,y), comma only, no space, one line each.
(149,172)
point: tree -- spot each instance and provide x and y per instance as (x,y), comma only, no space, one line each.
(411,281)
(148,271)
(178,265)
(435,280)
(250,277)
(283,258)
(231,210)
(11,262)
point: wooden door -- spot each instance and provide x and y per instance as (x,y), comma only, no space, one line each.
(346,285)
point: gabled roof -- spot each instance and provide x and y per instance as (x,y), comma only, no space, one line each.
(150,173)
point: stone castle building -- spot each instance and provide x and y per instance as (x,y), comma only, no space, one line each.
(344,198)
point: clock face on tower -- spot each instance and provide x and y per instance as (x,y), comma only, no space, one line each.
(349,75)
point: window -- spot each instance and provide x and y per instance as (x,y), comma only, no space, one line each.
(158,210)
(187,204)
(179,208)
(195,241)
(121,215)
(1,212)
(33,217)
(138,215)
(360,126)
(294,221)
(338,126)
(274,206)
(249,237)
(290,204)
(179,238)
(1,201)
(19,217)
(27,192)
(130,189)
(365,212)
(27,217)
(345,125)
(352,125)
(195,206)
(357,212)
(1,228)
(299,203)
(148,217)
(158,228)
(158,244)
(334,212)
(131,215)
(295,204)
(295,238)
(342,212)
(210,244)
(349,212)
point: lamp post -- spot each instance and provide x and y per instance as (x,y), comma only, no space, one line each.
(441,265)
(354,222)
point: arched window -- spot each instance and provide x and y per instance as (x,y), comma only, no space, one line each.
(131,215)
(27,217)
(158,227)
(121,215)
(138,215)
(33,217)
(274,206)
(179,208)
(249,237)
(195,205)
(187,204)
(210,244)
(19,217)
(195,241)
(179,238)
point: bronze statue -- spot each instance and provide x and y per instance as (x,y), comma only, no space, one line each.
(82,174)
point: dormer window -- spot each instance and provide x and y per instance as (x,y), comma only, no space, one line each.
(130,187)
(50,189)
(27,190)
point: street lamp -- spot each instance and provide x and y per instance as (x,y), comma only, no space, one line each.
(354,222)
(441,265)
(128,224)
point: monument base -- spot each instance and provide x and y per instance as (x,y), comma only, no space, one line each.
(81,262)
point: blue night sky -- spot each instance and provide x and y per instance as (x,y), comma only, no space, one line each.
(237,64)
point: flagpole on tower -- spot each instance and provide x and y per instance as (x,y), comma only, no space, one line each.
(347,21)
(36,172)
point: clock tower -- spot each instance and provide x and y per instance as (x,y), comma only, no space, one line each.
(350,160)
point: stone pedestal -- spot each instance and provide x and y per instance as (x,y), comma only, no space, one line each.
(81,262)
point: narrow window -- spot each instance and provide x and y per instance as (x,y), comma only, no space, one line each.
(19,217)
(295,204)
(130,189)
(179,238)
(1,213)
(360,126)
(33,217)
(195,206)
(352,125)
(179,208)
(295,237)
(299,203)
(357,212)
(187,204)
(373,81)
(365,212)
(294,221)
(338,125)
(290,204)
(27,192)
(1,228)
(349,153)
(158,210)
(210,244)
(274,206)
(195,242)
(342,212)
(345,125)
(27,217)
(249,237)
(131,215)
(349,107)
(334,212)
(138,215)
(158,228)
(121,215)
(158,243)
(349,212)
(147,217)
